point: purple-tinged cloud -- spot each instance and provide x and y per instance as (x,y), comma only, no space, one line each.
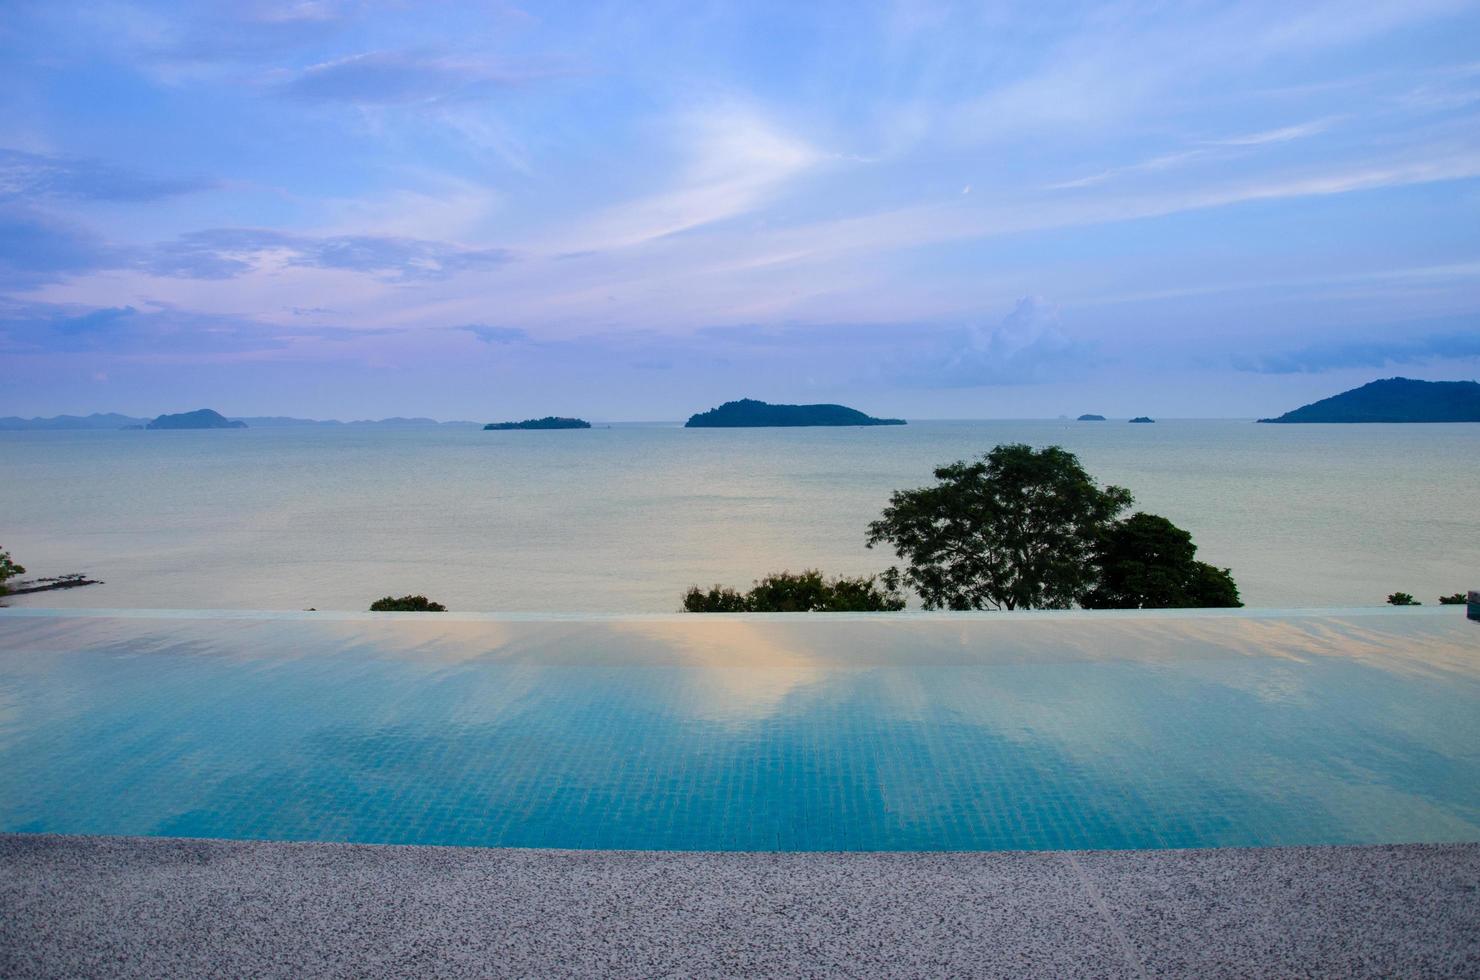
(31,175)
(41,328)
(496,335)
(224,253)
(1025,347)
(1374,353)
(36,248)
(395,78)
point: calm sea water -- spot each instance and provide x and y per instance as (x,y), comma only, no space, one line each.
(623,519)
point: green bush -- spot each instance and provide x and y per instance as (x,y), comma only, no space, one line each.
(1458,599)
(1402,599)
(717,600)
(805,592)
(406,603)
(8,570)
(1147,562)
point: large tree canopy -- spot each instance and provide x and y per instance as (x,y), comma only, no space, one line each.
(1017,529)
(1147,562)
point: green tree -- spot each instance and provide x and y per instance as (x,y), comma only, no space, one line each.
(1147,562)
(1402,599)
(406,603)
(1017,529)
(808,591)
(717,600)
(8,570)
(1457,599)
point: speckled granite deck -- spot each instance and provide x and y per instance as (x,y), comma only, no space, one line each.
(131,907)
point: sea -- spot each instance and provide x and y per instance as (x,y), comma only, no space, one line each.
(624,518)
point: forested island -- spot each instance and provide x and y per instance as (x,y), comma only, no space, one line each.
(749,413)
(1395,400)
(548,422)
(1091,418)
(202,418)
(1143,419)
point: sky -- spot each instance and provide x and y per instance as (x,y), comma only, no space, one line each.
(630,211)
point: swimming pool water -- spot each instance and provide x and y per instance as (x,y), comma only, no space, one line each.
(754,733)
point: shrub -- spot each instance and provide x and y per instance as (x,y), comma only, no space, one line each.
(8,570)
(1402,599)
(805,592)
(716,600)
(1458,599)
(406,603)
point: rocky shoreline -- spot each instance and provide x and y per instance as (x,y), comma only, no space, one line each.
(72,581)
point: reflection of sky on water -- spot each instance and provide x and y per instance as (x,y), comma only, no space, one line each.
(759,732)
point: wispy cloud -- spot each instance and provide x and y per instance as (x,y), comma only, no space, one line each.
(1203,153)
(168,40)
(224,253)
(736,160)
(1007,215)
(1372,352)
(397,78)
(496,335)
(33,175)
(128,330)
(1166,161)
(1283,134)
(36,247)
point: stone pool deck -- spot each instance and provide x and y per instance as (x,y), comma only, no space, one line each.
(134,907)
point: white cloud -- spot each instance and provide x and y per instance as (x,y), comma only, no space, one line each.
(1165,161)
(1284,134)
(1024,347)
(737,161)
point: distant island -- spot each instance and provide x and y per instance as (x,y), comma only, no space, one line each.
(98,420)
(1143,419)
(1395,400)
(1091,418)
(749,413)
(548,422)
(103,421)
(396,422)
(201,418)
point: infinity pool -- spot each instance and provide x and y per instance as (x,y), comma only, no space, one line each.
(892,732)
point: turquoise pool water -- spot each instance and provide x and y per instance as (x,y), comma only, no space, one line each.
(793,733)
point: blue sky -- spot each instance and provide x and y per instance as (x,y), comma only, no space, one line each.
(635,211)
